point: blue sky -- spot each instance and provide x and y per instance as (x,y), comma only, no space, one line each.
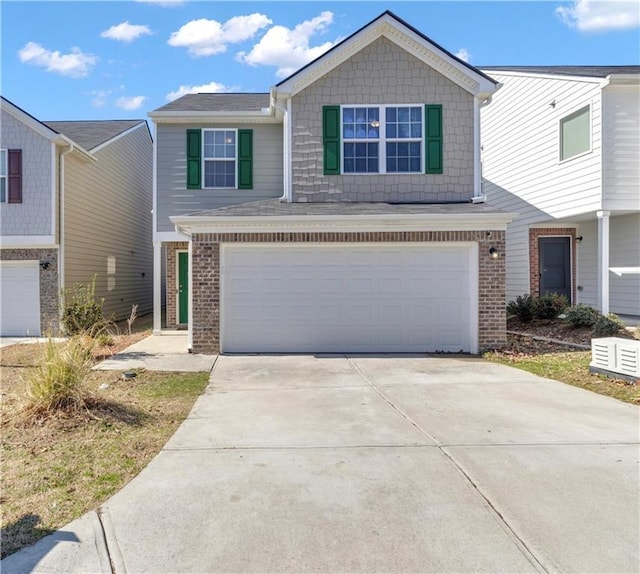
(107,60)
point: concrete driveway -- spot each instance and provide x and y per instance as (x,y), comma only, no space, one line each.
(373,464)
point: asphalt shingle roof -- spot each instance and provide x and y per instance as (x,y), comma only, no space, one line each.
(275,207)
(218,103)
(593,71)
(90,134)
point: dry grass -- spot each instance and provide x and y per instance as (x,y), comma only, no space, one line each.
(562,364)
(56,468)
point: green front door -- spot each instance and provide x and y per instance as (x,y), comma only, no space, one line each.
(183,287)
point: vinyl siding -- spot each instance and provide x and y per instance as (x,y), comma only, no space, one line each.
(383,73)
(587,263)
(33,215)
(108,215)
(624,292)
(621,147)
(522,172)
(173,197)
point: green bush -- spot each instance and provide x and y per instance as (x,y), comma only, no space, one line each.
(82,313)
(582,316)
(607,326)
(57,380)
(550,305)
(523,307)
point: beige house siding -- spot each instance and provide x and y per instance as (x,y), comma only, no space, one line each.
(382,73)
(108,225)
(175,199)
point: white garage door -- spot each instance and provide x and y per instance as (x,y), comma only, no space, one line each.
(349,298)
(19,298)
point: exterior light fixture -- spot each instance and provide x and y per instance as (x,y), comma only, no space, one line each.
(493,253)
(44,265)
(579,238)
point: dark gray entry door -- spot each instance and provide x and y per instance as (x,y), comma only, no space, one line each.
(555,266)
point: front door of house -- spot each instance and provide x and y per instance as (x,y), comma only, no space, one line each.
(183,287)
(555,265)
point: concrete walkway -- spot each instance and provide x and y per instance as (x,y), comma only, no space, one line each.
(165,352)
(373,464)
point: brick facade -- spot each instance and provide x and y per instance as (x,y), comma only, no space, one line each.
(534,256)
(172,283)
(206,275)
(49,294)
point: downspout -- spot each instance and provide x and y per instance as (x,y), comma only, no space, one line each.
(61,283)
(286,145)
(479,195)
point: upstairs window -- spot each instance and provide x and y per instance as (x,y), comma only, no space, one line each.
(3,175)
(382,139)
(219,155)
(575,134)
(10,176)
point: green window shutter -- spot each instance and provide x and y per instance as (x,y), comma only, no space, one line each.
(331,139)
(433,138)
(194,159)
(245,159)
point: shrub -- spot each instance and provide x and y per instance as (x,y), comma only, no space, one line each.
(81,311)
(582,316)
(57,380)
(523,307)
(550,305)
(607,326)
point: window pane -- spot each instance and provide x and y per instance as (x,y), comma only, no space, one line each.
(218,137)
(348,131)
(392,130)
(3,191)
(403,114)
(373,115)
(361,115)
(404,122)
(220,173)
(348,115)
(575,134)
(391,114)
(3,162)
(414,164)
(404,157)
(416,130)
(208,137)
(414,148)
(360,123)
(361,157)
(416,115)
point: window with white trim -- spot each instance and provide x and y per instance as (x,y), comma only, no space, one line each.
(382,139)
(3,175)
(575,134)
(219,158)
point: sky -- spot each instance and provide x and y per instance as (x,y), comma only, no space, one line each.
(88,60)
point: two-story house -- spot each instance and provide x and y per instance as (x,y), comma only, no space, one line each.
(339,212)
(75,201)
(561,147)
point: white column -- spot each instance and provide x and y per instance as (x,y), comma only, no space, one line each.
(157,287)
(603,261)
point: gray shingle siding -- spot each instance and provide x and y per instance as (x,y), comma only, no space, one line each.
(174,199)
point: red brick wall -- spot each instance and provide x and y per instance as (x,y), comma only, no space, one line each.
(172,283)
(534,256)
(206,276)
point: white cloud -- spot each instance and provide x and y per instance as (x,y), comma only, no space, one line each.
(210,88)
(126,32)
(99,99)
(130,103)
(77,64)
(289,49)
(600,16)
(463,54)
(208,37)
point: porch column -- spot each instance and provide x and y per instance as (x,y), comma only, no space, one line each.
(157,287)
(603,261)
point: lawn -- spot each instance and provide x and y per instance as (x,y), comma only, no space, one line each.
(562,364)
(55,470)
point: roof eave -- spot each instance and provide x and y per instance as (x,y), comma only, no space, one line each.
(263,115)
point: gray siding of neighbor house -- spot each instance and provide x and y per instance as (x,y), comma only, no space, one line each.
(33,215)
(108,223)
(175,199)
(383,73)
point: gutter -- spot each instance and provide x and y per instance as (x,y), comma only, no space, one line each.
(61,283)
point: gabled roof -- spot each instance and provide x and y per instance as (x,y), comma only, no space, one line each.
(91,134)
(407,37)
(28,119)
(226,102)
(584,71)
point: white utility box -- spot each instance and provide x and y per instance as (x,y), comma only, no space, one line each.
(616,356)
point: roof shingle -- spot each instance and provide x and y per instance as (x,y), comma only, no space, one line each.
(593,71)
(90,134)
(218,103)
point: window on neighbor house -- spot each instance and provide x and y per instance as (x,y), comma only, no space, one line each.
(3,175)
(575,134)
(219,158)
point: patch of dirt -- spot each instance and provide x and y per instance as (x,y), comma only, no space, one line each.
(560,330)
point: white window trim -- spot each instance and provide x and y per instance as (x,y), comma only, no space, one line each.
(382,140)
(588,107)
(3,176)
(205,159)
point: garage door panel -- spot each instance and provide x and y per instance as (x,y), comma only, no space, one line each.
(346,298)
(19,298)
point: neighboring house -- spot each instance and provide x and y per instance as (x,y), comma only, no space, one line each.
(335,213)
(561,147)
(75,200)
